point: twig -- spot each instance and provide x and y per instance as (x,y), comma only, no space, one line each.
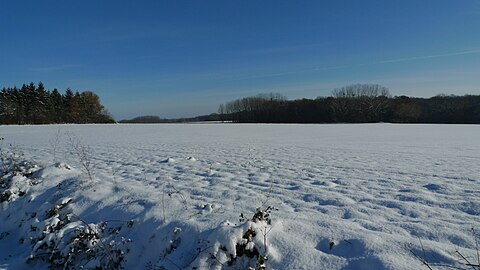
(198,254)
(184,200)
(476,246)
(84,154)
(465,259)
(420,259)
(163,202)
(423,249)
(448,266)
(215,257)
(269,194)
(173,263)
(54,143)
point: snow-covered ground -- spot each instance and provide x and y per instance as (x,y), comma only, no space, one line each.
(369,196)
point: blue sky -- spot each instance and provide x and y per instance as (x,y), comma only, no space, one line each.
(184,58)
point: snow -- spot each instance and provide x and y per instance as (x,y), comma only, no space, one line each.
(173,195)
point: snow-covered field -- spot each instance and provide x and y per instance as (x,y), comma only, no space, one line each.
(172,196)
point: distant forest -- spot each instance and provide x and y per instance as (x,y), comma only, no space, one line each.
(33,104)
(359,103)
(152,119)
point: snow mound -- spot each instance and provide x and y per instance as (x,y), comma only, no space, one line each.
(168,160)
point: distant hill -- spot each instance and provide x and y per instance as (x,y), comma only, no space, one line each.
(151,119)
(145,119)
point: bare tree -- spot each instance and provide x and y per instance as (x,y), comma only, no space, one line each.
(360,103)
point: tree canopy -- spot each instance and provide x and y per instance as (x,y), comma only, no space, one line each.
(357,103)
(33,104)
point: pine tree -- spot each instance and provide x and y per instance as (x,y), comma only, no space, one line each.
(67,103)
(55,107)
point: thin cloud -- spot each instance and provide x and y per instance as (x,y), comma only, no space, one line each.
(289,73)
(54,68)
(388,61)
(271,50)
(424,57)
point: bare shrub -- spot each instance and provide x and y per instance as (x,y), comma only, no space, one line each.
(84,155)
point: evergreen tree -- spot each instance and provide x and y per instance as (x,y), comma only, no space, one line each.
(36,105)
(40,105)
(67,103)
(56,107)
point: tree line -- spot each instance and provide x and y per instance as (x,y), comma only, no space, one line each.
(358,103)
(33,104)
(153,119)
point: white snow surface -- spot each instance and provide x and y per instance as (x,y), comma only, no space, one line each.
(345,196)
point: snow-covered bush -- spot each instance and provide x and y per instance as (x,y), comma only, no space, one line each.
(13,162)
(76,244)
(241,245)
(51,232)
(14,177)
(68,241)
